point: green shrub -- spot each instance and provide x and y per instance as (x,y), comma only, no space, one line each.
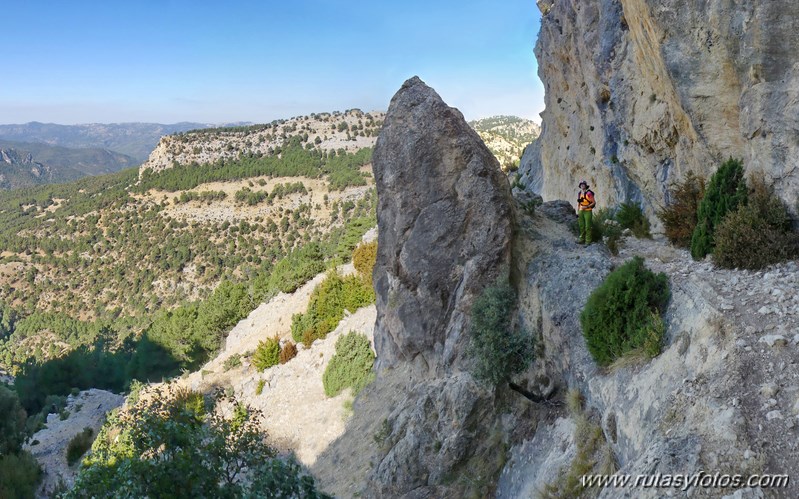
(232,362)
(79,444)
(612,234)
(631,216)
(598,219)
(288,352)
(12,422)
(679,217)
(260,388)
(351,365)
(291,272)
(757,234)
(157,448)
(498,349)
(604,227)
(617,317)
(267,354)
(19,476)
(188,400)
(327,304)
(364,257)
(279,478)
(726,191)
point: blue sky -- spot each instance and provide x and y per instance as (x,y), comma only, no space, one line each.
(212,61)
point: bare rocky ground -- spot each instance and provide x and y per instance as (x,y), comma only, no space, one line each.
(722,397)
(298,416)
(757,322)
(87,409)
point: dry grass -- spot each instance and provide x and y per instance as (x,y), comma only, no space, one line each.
(633,358)
(594,455)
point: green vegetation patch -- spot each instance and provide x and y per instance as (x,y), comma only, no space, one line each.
(79,444)
(179,445)
(725,192)
(757,234)
(19,471)
(364,258)
(608,224)
(327,304)
(350,366)
(498,349)
(267,354)
(291,160)
(618,316)
(631,216)
(202,196)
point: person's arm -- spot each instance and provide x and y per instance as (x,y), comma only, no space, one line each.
(593,202)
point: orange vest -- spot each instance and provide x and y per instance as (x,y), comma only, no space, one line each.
(585,200)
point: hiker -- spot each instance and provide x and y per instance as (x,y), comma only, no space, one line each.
(585,203)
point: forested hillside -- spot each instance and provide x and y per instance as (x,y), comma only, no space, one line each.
(128,276)
(506,137)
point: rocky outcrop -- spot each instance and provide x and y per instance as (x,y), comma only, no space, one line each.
(425,428)
(350,131)
(49,445)
(445,222)
(639,92)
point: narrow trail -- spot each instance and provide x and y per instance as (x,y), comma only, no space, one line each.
(757,323)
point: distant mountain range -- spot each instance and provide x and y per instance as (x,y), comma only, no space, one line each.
(136,140)
(24,164)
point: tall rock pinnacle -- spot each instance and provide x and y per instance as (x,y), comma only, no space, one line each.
(445,222)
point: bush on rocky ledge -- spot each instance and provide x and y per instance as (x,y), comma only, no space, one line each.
(679,217)
(267,354)
(623,313)
(726,191)
(757,234)
(350,366)
(498,349)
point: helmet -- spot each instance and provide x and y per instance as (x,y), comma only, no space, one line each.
(582,182)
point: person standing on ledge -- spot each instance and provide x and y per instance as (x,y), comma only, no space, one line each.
(585,205)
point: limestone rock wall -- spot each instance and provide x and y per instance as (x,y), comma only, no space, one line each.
(639,92)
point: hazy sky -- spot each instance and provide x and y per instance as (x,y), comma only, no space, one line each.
(166,61)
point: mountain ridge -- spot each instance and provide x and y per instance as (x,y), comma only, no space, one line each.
(135,139)
(25,164)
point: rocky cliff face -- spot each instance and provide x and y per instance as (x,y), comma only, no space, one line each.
(18,169)
(445,223)
(718,399)
(638,92)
